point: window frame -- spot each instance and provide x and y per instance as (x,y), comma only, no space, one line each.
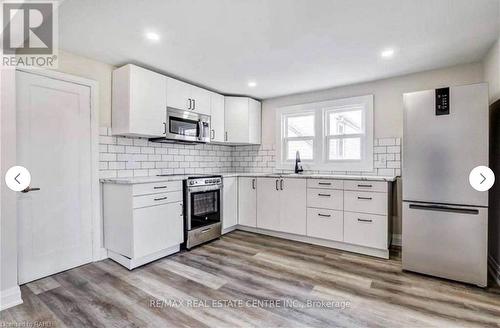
(321,161)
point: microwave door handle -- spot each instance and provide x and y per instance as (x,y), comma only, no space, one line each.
(200,128)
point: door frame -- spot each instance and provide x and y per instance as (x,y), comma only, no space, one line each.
(98,251)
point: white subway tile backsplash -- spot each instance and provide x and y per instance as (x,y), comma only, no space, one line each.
(127,157)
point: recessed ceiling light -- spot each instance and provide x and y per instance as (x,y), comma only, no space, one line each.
(387,53)
(252,84)
(152,36)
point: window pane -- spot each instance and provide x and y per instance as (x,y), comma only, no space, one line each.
(348,148)
(348,122)
(300,126)
(305,148)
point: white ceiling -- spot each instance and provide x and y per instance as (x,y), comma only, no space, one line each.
(286,46)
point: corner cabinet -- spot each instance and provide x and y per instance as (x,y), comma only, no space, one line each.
(242,120)
(139,102)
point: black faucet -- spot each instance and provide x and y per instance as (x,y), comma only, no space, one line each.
(298,164)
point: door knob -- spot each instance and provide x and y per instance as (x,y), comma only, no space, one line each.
(30,189)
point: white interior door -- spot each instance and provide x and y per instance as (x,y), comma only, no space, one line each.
(54,144)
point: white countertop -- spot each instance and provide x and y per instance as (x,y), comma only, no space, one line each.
(151,179)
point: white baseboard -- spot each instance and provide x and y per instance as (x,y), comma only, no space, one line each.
(224,231)
(494,269)
(396,239)
(10,297)
(382,253)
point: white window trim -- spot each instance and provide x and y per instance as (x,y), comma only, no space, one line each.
(321,162)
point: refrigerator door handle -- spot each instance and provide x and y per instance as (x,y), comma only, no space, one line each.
(442,208)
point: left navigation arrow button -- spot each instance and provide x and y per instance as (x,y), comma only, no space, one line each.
(18,178)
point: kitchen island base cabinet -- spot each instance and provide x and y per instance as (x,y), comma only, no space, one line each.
(138,231)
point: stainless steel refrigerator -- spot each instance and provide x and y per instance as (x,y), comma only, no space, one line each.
(445,220)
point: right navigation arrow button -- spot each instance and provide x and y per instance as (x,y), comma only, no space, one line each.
(481,178)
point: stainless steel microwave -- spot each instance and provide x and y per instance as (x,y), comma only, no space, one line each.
(185,126)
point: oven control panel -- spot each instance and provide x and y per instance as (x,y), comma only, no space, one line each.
(205,181)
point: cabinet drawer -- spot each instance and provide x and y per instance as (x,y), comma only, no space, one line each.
(380,186)
(156,228)
(157,199)
(321,198)
(366,202)
(365,229)
(326,224)
(156,187)
(325,184)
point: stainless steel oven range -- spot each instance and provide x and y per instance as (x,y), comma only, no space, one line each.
(202,209)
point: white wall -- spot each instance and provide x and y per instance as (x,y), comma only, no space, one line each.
(492,71)
(9,291)
(388,106)
(94,70)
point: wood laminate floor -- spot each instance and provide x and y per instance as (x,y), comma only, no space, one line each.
(250,280)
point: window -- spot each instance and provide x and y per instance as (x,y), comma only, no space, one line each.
(345,131)
(299,136)
(334,135)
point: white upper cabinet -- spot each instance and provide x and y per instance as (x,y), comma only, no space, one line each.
(141,98)
(242,120)
(217,117)
(139,102)
(185,96)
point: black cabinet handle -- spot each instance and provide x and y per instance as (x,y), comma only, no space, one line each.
(159,187)
(194,103)
(325,183)
(324,195)
(277,188)
(324,215)
(281,184)
(365,185)
(161,198)
(225,136)
(253,183)
(190,103)
(365,220)
(164,128)
(212,134)
(365,198)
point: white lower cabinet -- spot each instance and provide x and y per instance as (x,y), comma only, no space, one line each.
(230,204)
(326,224)
(281,205)
(148,221)
(247,201)
(368,230)
(268,204)
(293,206)
(141,228)
(366,202)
